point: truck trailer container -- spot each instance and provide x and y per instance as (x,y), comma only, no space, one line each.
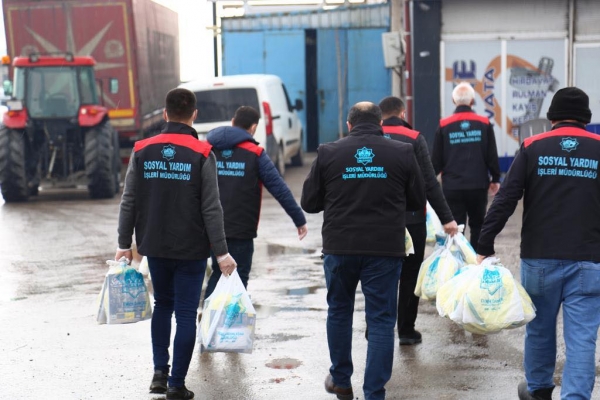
(135,44)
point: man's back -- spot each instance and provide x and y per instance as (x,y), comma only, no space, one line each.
(368,182)
(465,150)
(562,194)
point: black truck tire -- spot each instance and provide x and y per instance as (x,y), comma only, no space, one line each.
(13,179)
(99,161)
(117,161)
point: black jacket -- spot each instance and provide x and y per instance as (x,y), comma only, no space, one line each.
(464,151)
(396,128)
(243,167)
(557,173)
(364,183)
(171,197)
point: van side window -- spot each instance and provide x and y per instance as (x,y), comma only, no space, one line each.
(220,104)
(287,99)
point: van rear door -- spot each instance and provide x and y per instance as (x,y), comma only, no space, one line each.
(217,106)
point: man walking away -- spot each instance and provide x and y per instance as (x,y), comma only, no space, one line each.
(395,128)
(243,167)
(556,173)
(464,151)
(364,183)
(171,201)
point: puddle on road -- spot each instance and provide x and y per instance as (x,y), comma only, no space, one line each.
(301,291)
(277,249)
(266,311)
(284,363)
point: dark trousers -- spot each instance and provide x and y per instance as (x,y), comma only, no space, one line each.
(378,277)
(177,286)
(408,303)
(471,204)
(242,251)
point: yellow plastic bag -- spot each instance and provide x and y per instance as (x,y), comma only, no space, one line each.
(228,318)
(485,299)
(433,224)
(437,269)
(409,247)
(467,251)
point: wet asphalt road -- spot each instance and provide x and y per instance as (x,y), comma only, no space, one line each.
(52,263)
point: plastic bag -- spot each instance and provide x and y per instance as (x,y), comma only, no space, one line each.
(433,224)
(468,253)
(228,318)
(461,248)
(437,269)
(485,299)
(409,247)
(124,297)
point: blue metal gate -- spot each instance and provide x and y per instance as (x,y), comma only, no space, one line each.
(349,63)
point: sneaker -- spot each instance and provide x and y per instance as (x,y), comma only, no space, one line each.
(159,382)
(540,394)
(410,338)
(179,393)
(342,393)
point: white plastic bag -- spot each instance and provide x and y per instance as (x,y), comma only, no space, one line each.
(409,247)
(485,299)
(228,318)
(124,297)
(437,269)
(433,224)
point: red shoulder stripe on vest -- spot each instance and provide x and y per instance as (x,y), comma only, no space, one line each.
(400,130)
(463,116)
(254,148)
(566,131)
(199,146)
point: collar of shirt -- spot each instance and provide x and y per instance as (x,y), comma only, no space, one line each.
(178,127)
(460,109)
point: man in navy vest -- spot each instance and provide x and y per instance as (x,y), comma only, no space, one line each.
(396,128)
(243,167)
(558,176)
(464,152)
(171,201)
(364,184)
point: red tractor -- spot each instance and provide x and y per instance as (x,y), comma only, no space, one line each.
(56,132)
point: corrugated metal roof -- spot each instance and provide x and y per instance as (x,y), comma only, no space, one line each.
(367,16)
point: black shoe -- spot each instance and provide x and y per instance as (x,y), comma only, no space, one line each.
(410,338)
(342,393)
(159,382)
(179,393)
(540,394)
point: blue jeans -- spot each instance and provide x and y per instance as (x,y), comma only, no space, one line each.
(177,287)
(575,285)
(379,281)
(241,250)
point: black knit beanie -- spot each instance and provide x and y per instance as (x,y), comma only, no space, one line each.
(570,103)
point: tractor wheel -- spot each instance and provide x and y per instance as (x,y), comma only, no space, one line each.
(13,179)
(117,161)
(99,161)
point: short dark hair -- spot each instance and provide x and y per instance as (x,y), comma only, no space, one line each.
(391,105)
(245,117)
(364,112)
(180,104)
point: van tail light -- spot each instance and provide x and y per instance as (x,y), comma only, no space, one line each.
(268,118)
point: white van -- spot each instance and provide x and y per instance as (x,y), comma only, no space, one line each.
(279,128)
